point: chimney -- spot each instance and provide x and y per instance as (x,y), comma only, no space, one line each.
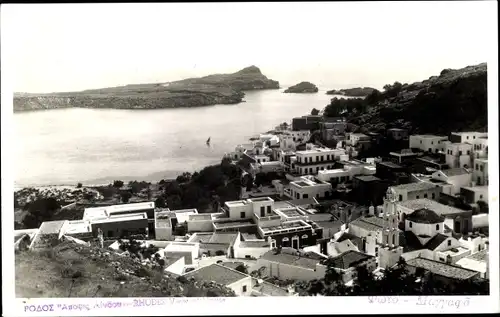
(371,210)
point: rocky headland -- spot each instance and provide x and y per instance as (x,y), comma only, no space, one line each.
(352,92)
(302,88)
(454,100)
(191,92)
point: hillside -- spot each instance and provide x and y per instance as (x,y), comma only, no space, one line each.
(191,92)
(302,87)
(99,273)
(455,100)
(352,92)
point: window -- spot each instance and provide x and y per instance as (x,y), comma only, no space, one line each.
(305,196)
(262,211)
(268,209)
(481,168)
(480,196)
(400,197)
(433,195)
(242,214)
(110,233)
(328,157)
(418,197)
(467,137)
(477,167)
(449,243)
(425,195)
(393,239)
(420,141)
(273,243)
(432,142)
(411,224)
(468,152)
(437,227)
(244,288)
(460,153)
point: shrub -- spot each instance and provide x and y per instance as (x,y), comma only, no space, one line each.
(118,184)
(121,277)
(79,185)
(182,279)
(219,252)
(143,272)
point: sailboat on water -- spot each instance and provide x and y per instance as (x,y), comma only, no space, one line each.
(208,141)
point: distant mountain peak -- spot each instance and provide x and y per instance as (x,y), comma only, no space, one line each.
(250,69)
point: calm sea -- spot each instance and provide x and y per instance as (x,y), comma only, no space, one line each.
(96,146)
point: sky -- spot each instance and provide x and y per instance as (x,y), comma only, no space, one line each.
(54,47)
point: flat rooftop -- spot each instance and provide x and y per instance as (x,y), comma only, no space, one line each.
(180,247)
(217,273)
(319,151)
(290,212)
(122,218)
(261,199)
(367,178)
(443,269)
(289,259)
(390,164)
(236,203)
(477,188)
(233,224)
(78,226)
(214,237)
(200,217)
(414,186)
(289,225)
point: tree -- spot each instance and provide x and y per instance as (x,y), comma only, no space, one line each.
(126,196)
(79,185)
(118,184)
(160,202)
(241,268)
(39,211)
(314,112)
(483,207)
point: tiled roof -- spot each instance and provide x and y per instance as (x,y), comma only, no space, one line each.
(295,260)
(425,215)
(414,186)
(371,223)
(433,205)
(347,236)
(455,172)
(436,241)
(482,256)
(442,269)
(411,242)
(217,273)
(349,259)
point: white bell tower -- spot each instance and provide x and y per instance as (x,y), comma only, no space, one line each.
(390,234)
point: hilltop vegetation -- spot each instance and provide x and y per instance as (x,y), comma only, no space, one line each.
(72,270)
(352,92)
(191,92)
(456,100)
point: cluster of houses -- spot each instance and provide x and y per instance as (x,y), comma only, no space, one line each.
(289,234)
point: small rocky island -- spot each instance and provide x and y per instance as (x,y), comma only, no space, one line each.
(302,88)
(352,92)
(191,92)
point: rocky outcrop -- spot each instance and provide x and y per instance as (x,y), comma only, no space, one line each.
(302,88)
(352,92)
(191,92)
(456,100)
